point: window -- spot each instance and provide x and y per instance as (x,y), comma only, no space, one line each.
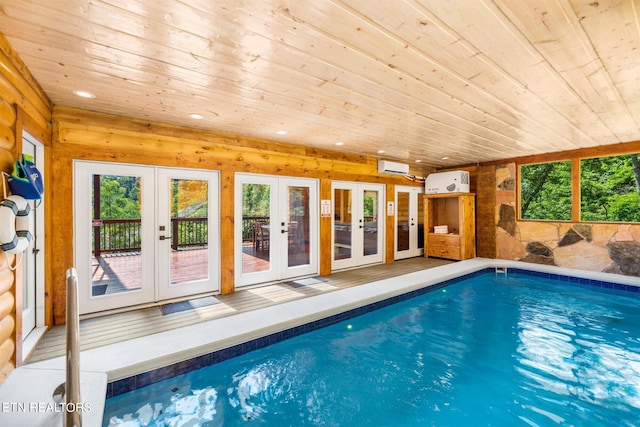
(610,189)
(545,191)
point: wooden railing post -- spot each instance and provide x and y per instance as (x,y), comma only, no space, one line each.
(96,215)
(174,234)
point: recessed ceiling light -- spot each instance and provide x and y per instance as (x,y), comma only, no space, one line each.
(444,158)
(282,132)
(380,151)
(339,143)
(196,116)
(418,161)
(84,94)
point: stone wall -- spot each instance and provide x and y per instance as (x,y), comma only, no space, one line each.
(611,248)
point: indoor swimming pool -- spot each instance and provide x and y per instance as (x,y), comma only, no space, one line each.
(519,348)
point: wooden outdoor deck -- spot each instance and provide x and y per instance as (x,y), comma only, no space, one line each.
(115,273)
(99,331)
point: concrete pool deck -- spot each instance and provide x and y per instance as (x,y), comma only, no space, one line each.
(34,383)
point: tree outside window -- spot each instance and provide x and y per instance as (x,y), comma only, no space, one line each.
(545,191)
(610,189)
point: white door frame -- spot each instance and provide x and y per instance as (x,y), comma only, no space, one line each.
(153,266)
(211,283)
(83,231)
(289,272)
(358,257)
(278,234)
(414,250)
(33,317)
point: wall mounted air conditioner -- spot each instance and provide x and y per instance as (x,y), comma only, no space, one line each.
(447,182)
(385,166)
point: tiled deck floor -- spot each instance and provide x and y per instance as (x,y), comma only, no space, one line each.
(99,331)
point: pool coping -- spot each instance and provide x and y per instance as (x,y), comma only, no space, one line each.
(103,365)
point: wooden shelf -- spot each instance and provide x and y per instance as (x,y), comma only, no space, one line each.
(457,212)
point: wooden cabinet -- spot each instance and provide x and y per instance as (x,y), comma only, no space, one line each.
(457,212)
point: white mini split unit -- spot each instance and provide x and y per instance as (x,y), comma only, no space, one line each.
(393,168)
(447,182)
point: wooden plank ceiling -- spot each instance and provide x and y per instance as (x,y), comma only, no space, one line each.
(442,82)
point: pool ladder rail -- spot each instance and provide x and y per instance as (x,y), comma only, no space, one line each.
(501,270)
(67,394)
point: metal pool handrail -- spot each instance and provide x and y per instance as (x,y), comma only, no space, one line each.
(72,390)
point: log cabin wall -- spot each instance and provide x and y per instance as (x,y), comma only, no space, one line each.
(84,135)
(23,106)
(486,212)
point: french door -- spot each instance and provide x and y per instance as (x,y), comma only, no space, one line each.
(144,234)
(276,228)
(409,230)
(358,224)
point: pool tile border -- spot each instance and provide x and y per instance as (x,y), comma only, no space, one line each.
(577,280)
(144,379)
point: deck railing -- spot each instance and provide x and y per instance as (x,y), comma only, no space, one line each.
(247,226)
(116,235)
(124,235)
(189,232)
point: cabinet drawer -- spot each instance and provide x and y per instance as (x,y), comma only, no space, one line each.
(443,239)
(450,252)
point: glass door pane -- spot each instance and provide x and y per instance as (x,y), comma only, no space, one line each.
(256,228)
(369,222)
(186,234)
(342,236)
(402,226)
(116,241)
(420,221)
(189,230)
(298,227)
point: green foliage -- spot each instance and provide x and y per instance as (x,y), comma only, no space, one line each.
(119,197)
(255,199)
(545,191)
(369,202)
(609,189)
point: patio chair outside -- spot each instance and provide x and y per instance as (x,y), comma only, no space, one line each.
(260,237)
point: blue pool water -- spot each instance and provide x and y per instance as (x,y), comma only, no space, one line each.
(486,351)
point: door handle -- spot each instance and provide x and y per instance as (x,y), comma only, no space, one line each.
(165,237)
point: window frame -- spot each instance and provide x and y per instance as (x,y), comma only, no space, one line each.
(575,157)
(519,190)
